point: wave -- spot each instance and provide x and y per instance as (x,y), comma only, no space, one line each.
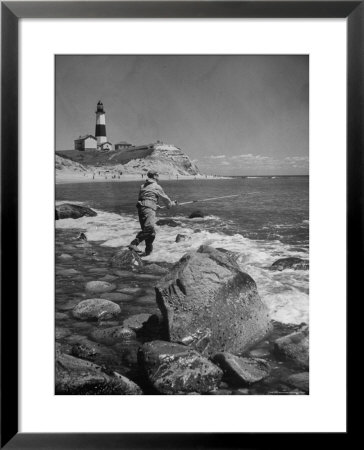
(285,293)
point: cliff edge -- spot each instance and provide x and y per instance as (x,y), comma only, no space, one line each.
(167,159)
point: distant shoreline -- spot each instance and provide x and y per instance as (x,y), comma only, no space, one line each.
(68,178)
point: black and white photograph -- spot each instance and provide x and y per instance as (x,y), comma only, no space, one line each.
(182,224)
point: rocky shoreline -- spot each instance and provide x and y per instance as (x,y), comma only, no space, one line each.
(128,327)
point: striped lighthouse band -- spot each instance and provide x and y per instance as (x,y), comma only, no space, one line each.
(100,130)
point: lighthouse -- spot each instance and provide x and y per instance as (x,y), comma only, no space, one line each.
(100,132)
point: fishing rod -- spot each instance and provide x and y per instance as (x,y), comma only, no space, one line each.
(209,199)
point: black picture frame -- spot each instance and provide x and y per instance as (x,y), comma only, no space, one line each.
(11,12)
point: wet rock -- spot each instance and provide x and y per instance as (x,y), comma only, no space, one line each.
(176,369)
(233,255)
(65,257)
(294,347)
(112,335)
(95,352)
(181,237)
(62,347)
(67,272)
(97,287)
(127,259)
(69,211)
(196,214)
(207,302)
(62,332)
(61,316)
(168,222)
(290,263)
(242,370)
(300,381)
(138,321)
(96,309)
(76,376)
(154,269)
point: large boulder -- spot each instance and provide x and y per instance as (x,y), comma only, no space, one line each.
(294,347)
(127,259)
(177,369)
(69,211)
(209,303)
(290,263)
(75,376)
(96,309)
(242,370)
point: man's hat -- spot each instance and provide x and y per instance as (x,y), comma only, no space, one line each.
(152,174)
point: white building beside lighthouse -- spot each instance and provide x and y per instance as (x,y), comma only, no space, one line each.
(100,130)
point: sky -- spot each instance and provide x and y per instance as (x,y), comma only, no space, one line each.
(231,114)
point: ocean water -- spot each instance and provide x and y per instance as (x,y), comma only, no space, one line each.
(267,221)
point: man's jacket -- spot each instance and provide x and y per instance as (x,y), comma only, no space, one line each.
(149,194)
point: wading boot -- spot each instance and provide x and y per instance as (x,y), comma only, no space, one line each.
(134,245)
(148,250)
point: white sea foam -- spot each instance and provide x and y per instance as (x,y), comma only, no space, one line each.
(285,293)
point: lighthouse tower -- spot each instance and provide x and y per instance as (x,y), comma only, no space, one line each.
(100,132)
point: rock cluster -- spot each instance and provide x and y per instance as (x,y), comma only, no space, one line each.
(214,326)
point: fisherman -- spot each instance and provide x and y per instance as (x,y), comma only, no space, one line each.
(149,195)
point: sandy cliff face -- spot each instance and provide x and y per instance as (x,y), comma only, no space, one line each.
(67,165)
(171,157)
(165,158)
